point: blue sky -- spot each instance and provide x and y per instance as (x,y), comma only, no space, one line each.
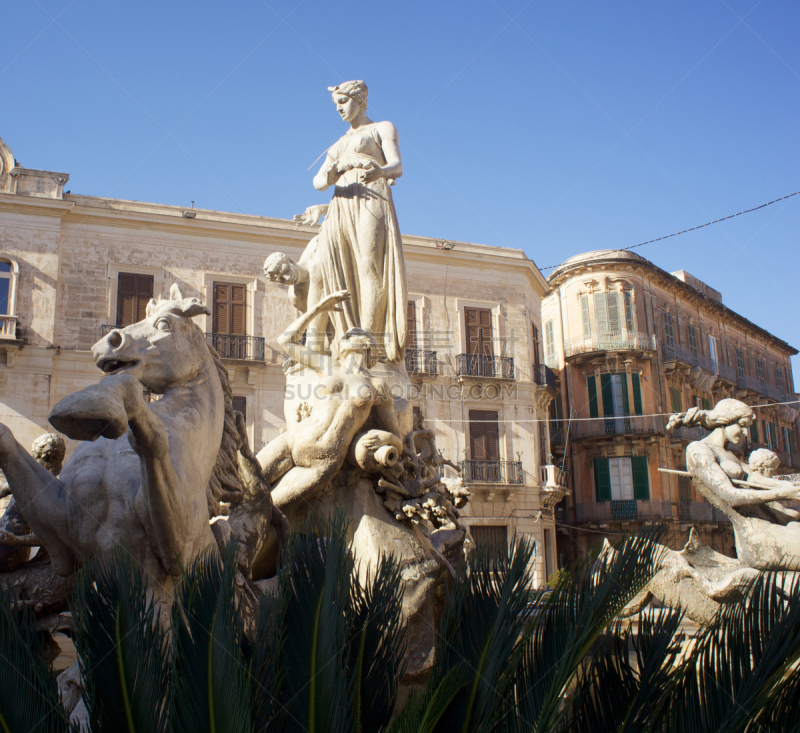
(556,127)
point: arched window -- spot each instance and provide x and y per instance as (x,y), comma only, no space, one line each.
(9,272)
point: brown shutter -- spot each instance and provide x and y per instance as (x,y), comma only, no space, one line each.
(411,325)
(484,434)
(222,309)
(133,294)
(238,308)
(230,309)
(535,344)
(240,405)
(478,323)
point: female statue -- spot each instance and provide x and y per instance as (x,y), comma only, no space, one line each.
(767,532)
(358,248)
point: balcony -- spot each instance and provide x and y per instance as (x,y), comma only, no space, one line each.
(421,363)
(491,472)
(480,365)
(544,376)
(685,355)
(689,435)
(700,511)
(8,328)
(762,388)
(632,425)
(623,511)
(246,348)
(611,341)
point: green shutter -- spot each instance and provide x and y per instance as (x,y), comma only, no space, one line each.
(641,486)
(637,394)
(602,479)
(626,408)
(591,382)
(766,431)
(774,435)
(675,399)
(754,432)
(706,403)
(608,395)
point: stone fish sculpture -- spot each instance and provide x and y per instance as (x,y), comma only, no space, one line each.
(150,475)
(767,532)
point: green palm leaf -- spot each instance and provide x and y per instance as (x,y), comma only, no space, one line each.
(316,580)
(376,645)
(121,647)
(29,698)
(210,685)
(266,677)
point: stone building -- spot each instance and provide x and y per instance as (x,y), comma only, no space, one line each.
(72,267)
(631,344)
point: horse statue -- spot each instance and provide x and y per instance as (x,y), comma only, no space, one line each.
(150,474)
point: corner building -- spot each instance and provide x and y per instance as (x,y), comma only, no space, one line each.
(631,344)
(72,267)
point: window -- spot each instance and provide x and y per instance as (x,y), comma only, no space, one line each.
(587,324)
(605,312)
(411,325)
(630,323)
(479,331)
(669,330)
(770,435)
(133,294)
(549,343)
(484,435)
(542,444)
(684,488)
(621,479)
(6,288)
(712,352)
(614,395)
(691,334)
(493,540)
(535,338)
(676,402)
(787,441)
(760,372)
(240,405)
(753,430)
(228,322)
(779,377)
(739,363)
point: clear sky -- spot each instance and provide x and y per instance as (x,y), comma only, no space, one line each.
(555,127)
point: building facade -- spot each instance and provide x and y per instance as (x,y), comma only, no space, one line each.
(72,267)
(631,344)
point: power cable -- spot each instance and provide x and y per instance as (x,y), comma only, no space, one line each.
(700,226)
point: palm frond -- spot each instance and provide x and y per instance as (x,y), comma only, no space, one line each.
(563,630)
(266,677)
(28,692)
(316,581)
(429,709)
(376,645)
(122,649)
(210,685)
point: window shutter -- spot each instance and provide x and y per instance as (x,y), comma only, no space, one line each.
(535,336)
(613,311)
(630,323)
(600,313)
(641,485)
(238,310)
(669,333)
(608,395)
(411,325)
(676,403)
(240,405)
(626,407)
(773,435)
(637,394)
(591,383)
(486,332)
(484,435)
(222,309)
(706,403)
(133,294)
(754,432)
(766,432)
(491,540)
(602,479)
(587,326)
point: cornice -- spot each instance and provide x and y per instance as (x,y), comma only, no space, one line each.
(34,205)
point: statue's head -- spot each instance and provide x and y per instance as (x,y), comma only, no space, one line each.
(163,350)
(48,450)
(763,461)
(729,415)
(350,98)
(360,344)
(280,268)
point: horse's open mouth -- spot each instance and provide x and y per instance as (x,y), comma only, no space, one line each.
(110,365)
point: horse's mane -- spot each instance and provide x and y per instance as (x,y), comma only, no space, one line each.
(224,484)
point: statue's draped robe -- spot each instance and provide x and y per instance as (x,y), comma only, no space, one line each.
(359,247)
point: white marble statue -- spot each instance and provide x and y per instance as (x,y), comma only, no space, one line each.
(150,474)
(358,248)
(302,461)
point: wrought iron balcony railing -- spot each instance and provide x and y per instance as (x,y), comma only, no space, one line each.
(481,365)
(105,329)
(622,511)
(688,434)
(673,352)
(610,341)
(700,511)
(421,363)
(492,472)
(250,348)
(763,388)
(544,376)
(623,425)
